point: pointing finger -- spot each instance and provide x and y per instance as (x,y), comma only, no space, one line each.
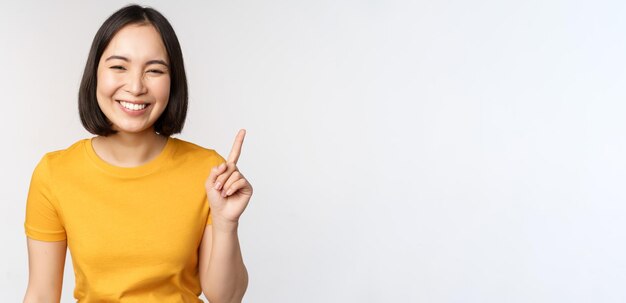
(236,150)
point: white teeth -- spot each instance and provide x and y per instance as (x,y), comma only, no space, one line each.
(132,106)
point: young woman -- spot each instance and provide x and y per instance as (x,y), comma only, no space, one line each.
(147,217)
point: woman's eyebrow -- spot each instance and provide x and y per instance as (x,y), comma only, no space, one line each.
(157,62)
(117,57)
(126,59)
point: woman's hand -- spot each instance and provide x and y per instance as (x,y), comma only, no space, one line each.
(227,189)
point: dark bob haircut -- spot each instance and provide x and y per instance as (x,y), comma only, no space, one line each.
(172,119)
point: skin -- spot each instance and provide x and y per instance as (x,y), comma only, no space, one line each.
(134,67)
(223,275)
(125,73)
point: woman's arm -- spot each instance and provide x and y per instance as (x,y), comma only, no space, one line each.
(223,275)
(46,262)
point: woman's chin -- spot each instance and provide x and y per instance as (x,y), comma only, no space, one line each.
(135,130)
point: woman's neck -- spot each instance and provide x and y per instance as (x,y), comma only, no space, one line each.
(129,149)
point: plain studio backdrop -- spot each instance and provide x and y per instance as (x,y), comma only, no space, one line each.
(418,151)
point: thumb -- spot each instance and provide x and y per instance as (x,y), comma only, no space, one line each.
(215,172)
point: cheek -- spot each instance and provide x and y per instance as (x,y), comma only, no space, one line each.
(107,84)
(161,89)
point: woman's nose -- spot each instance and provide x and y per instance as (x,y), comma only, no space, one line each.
(136,85)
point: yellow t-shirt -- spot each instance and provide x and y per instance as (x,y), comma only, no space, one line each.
(133,233)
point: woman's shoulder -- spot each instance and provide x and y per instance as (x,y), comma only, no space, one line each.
(62,157)
(68,153)
(190,149)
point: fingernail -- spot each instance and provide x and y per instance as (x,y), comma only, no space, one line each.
(218,185)
(223,193)
(221,166)
(229,192)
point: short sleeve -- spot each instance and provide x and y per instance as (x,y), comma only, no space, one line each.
(42,219)
(217,160)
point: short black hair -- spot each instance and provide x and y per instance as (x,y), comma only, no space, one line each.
(172,119)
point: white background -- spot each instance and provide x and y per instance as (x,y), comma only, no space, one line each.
(418,151)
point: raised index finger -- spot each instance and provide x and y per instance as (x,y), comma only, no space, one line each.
(236,150)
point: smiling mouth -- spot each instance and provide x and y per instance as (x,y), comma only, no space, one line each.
(133,106)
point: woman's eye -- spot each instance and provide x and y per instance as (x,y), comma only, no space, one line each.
(155,71)
(117,67)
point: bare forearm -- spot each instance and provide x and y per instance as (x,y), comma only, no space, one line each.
(32,299)
(227,277)
(51,297)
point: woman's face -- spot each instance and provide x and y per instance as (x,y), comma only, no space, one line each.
(133,84)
